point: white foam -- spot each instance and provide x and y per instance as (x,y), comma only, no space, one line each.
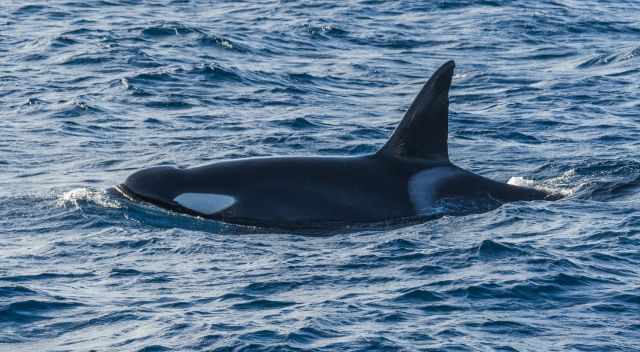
(521,182)
(205,203)
(73,197)
(557,185)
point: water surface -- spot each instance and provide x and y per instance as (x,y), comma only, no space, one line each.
(545,93)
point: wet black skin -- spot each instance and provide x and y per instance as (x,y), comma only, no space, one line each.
(300,192)
(288,192)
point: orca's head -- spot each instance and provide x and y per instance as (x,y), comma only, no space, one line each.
(173,189)
(158,185)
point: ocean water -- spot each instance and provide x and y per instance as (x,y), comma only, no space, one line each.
(545,93)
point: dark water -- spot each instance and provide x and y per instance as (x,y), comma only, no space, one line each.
(545,93)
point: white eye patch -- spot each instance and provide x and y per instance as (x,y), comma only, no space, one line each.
(205,203)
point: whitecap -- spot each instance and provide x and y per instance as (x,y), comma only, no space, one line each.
(561,185)
(74,197)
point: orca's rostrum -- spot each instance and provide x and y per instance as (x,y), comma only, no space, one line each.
(405,179)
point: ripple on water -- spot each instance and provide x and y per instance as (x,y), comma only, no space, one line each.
(170,29)
(418,296)
(262,304)
(31,310)
(492,250)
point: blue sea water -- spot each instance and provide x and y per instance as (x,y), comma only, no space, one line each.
(546,93)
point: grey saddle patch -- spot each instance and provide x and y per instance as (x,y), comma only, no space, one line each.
(423,187)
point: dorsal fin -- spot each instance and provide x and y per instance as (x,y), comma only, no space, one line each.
(423,131)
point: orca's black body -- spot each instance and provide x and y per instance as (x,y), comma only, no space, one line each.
(402,180)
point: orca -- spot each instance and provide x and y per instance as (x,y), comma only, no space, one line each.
(407,178)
